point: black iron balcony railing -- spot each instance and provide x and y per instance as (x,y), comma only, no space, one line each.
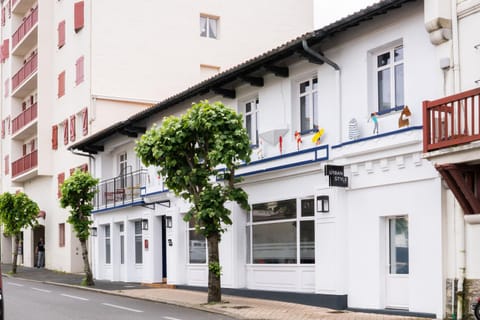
(122,190)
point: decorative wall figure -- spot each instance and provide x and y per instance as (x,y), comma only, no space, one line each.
(404,120)
(298,139)
(316,137)
(280,143)
(353,130)
(374,118)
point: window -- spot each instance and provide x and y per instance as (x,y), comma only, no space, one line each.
(61,234)
(272,232)
(73,132)
(208,26)
(390,78)
(55,137)
(61,34)
(122,243)
(308,102)
(197,245)
(60,180)
(61,84)
(79,16)
(398,245)
(106,232)
(138,242)
(79,68)
(251,120)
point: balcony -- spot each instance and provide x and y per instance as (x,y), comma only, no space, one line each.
(25,80)
(451,121)
(21,124)
(120,191)
(26,36)
(23,167)
(21,7)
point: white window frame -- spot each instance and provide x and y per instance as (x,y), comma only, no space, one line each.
(392,67)
(253,114)
(311,104)
(191,228)
(136,237)
(107,237)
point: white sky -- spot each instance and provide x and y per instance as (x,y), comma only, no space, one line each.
(328,11)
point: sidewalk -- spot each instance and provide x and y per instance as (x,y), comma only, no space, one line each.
(234,306)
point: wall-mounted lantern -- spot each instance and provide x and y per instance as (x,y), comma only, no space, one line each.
(93,231)
(168,221)
(144,224)
(323,204)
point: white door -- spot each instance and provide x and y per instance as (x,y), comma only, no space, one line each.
(398,263)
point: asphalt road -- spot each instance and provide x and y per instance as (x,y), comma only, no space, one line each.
(32,300)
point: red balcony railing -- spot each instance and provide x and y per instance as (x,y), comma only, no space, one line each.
(28,68)
(25,163)
(25,27)
(24,118)
(451,121)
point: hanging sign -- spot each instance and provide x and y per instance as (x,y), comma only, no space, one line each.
(331,170)
(336,176)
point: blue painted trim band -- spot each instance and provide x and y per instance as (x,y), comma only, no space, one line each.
(131,204)
(287,155)
(286,166)
(377,136)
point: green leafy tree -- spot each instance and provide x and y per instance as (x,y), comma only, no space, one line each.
(78,192)
(189,151)
(17,211)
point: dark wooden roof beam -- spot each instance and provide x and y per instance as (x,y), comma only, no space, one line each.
(253,81)
(94,149)
(278,71)
(226,93)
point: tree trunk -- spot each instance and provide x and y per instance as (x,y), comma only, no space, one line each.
(15,254)
(214,288)
(86,264)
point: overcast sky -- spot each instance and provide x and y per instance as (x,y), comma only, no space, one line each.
(328,11)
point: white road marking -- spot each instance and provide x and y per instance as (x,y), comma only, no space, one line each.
(16,284)
(171,318)
(41,290)
(120,307)
(74,297)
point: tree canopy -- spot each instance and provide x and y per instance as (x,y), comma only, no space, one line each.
(197,154)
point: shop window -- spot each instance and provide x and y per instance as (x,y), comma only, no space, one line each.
(138,242)
(272,232)
(106,230)
(197,245)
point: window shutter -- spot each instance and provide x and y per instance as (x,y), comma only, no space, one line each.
(65,132)
(79,68)
(8,124)
(61,179)
(3,129)
(7,165)
(6,48)
(72,128)
(3,16)
(79,16)
(2,58)
(84,167)
(61,84)
(61,34)
(55,137)
(85,121)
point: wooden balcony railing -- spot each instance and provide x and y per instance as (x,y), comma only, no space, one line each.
(25,163)
(451,121)
(25,27)
(24,118)
(28,68)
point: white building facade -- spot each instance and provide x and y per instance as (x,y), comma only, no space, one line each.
(357,218)
(71,68)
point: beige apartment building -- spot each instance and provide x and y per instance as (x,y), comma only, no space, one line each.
(71,68)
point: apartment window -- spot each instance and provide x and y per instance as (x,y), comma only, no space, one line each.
(61,234)
(55,137)
(197,245)
(282,232)
(73,133)
(79,16)
(61,34)
(251,120)
(138,242)
(208,26)
(7,164)
(79,68)
(85,121)
(308,102)
(61,84)
(60,180)
(106,231)
(390,79)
